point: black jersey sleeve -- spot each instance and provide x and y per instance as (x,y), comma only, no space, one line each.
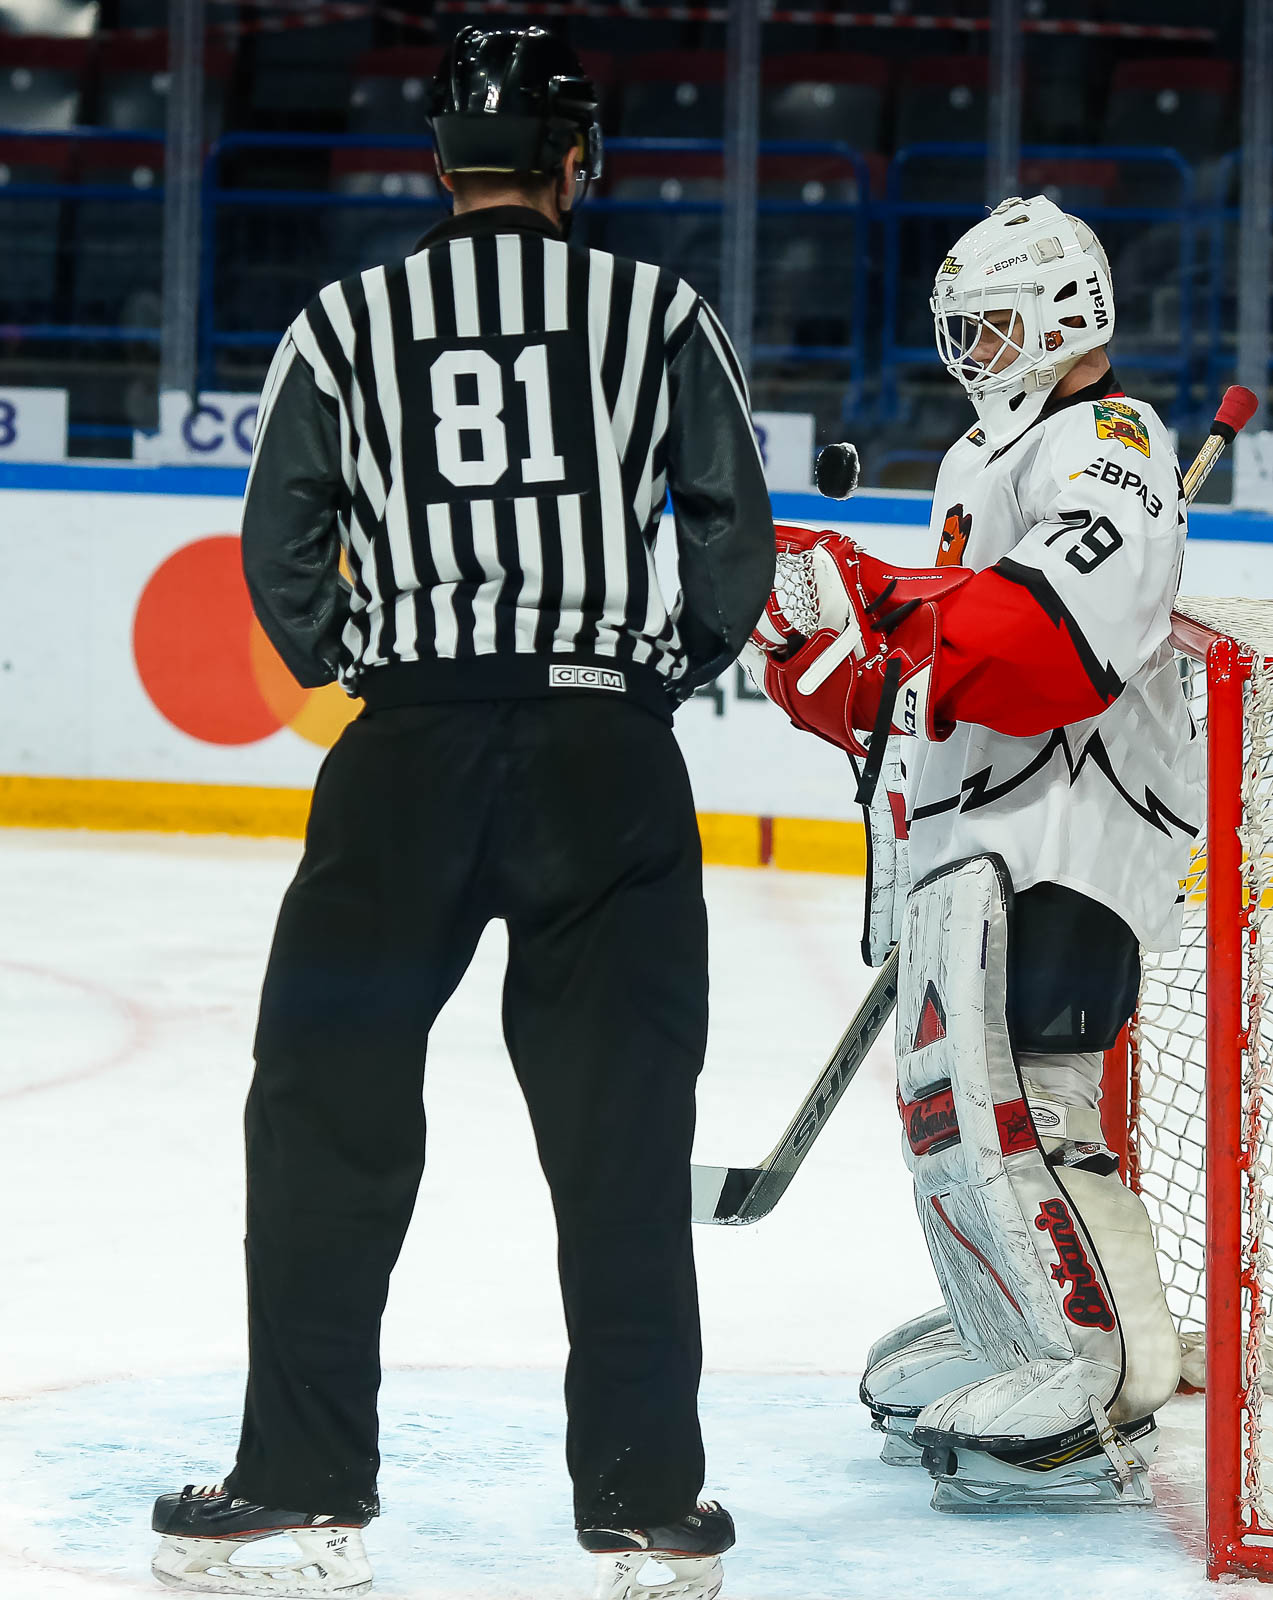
(724,527)
(290,543)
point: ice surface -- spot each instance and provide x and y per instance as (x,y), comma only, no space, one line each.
(128,977)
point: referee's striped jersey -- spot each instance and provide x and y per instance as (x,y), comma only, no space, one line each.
(488,429)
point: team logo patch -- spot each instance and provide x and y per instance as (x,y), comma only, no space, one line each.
(954,537)
(949,267)
(932,1019)
(585,678)
(1085,1304)
(1016,1132)
(1053,339)
(1115,420)
(930,1122)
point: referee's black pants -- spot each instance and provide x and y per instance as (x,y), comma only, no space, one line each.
(572,820)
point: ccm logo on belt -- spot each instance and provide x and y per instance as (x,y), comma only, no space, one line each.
(585,678)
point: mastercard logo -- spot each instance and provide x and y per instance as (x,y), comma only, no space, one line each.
(206,663)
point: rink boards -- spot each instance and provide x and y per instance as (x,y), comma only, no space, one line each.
(137,690)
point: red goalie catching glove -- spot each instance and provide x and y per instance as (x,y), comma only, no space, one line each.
(847,642)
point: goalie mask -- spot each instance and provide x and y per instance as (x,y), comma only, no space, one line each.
(1017,301)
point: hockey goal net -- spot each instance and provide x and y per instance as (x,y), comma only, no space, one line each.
(1190,1099)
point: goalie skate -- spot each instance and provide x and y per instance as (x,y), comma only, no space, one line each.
(1092,1467)
(677,1562)
(204,1529)
(907,1370)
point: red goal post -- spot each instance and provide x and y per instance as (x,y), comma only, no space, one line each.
(1189,1091)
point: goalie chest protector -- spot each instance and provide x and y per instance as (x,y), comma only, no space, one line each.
(1086,509)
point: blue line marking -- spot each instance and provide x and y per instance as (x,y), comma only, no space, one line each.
(128,477)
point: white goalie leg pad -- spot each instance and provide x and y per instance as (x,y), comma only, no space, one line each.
(905,1333)
(1064,1095)
(888,866)
(1019,1272)
(907,1370)
(323,1561)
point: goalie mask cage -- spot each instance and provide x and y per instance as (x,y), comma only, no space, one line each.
(1189,1094)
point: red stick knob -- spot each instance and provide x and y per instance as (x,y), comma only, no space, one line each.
(1237,408)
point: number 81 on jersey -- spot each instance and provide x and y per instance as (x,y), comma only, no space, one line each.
(497,423)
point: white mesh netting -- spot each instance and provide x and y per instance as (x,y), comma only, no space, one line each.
(1168,1105)
(796,588)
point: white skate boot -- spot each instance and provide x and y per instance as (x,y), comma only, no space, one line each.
(204,1529)
(683,1557)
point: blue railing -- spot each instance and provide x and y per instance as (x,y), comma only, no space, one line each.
(878,222)
(217,197)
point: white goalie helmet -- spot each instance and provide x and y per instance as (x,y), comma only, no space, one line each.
(1045,274)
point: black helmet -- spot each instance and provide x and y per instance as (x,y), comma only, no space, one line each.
(514,101)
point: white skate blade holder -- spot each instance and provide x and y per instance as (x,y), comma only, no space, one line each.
(323,1561)
(900,1450)
(640,1575)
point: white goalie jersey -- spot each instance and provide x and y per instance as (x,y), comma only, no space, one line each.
(1085,509)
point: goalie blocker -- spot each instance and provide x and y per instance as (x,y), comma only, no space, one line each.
(1060,1345)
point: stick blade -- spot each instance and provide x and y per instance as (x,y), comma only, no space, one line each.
(731,1196)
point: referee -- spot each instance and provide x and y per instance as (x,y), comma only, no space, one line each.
(487,430)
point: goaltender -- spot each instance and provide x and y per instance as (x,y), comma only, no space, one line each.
(1052,788)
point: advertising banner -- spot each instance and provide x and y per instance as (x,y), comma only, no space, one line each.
(130,650)
(216,432)
(32,424)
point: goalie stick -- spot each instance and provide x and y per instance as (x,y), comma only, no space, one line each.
(745,1194)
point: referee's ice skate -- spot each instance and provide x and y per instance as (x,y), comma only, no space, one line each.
(203,1529)
(686,1557)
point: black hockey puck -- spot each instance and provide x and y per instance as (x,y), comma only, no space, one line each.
(836,471)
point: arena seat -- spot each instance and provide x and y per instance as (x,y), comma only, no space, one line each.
(133,82)
(69,19)
(357,237)
(1065,75)
(1073,184)
(117,244)
(30,230)
(674,94)
(41,81)
(304,73)
(942,98)
(1188,104)
(831,96)
(389,93)
(804,265)
(686,242)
